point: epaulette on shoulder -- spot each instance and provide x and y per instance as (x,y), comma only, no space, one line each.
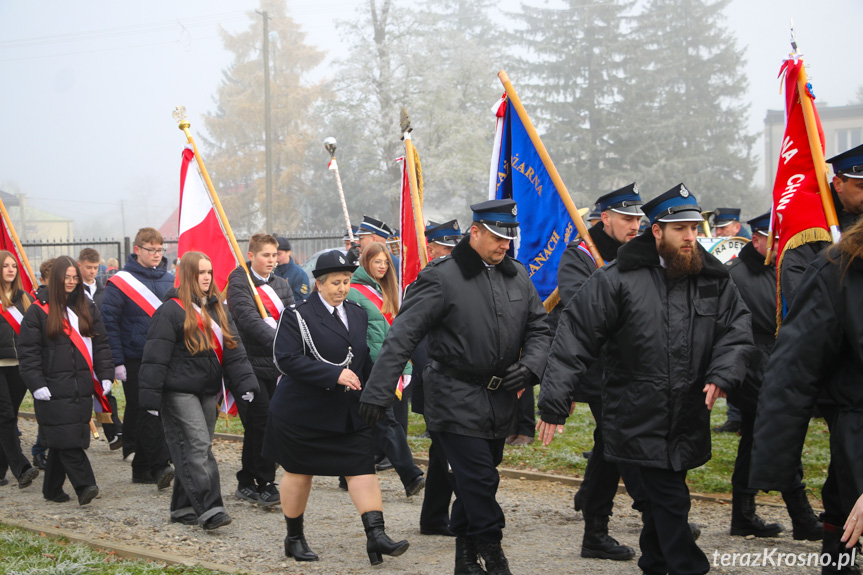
(440,260)
(353,303)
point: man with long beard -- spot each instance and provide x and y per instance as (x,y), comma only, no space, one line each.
(673,335)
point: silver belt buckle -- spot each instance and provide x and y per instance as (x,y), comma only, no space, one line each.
(494,382)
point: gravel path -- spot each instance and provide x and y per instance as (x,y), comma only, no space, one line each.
(543,532)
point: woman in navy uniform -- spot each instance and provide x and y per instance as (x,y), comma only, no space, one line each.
(314,426)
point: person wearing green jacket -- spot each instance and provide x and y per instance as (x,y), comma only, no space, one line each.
(375,288)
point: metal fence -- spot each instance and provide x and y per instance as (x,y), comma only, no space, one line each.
(303,246)
(38,252)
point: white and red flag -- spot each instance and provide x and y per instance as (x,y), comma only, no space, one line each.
(200,227)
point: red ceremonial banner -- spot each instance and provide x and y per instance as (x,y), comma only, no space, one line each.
(410,257)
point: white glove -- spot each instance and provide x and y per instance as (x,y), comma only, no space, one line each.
(106,386)
(42,394)
(249,396)
(120,372)
(152,412)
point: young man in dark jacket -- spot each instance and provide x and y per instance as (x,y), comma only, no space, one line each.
(131,298)
(673,335)
(256,477)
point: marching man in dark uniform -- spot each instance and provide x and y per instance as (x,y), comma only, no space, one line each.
(620,215)
(757,285)
(726,223)
(487,340)
(673,336)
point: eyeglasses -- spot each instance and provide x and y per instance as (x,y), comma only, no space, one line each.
(70,279)
(153,251)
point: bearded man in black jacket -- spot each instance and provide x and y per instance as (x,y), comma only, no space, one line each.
(673,335)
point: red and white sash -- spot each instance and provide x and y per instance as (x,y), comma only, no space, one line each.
(12,316)
(271,301)
(227,404)
(136,291)
(375,297)
(84,345)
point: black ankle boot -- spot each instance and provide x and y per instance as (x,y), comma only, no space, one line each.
(295,542)
(495,560)
(467,557)
(804,523)
(378,542)
(832,545)
(597,544)
(745,522)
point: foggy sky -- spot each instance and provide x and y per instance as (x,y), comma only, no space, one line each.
(88,89)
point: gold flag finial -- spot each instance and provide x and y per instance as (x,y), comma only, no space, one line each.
(179,115)
(405,122)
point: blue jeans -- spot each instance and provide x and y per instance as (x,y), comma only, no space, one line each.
(190,421)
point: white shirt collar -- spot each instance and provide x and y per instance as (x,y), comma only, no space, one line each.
(341,309)
(257,275)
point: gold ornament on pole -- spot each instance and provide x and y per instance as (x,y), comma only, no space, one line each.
(415,182)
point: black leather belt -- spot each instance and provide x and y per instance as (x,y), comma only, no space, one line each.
(491,382)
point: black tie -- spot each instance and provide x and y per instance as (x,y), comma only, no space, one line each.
(339,319)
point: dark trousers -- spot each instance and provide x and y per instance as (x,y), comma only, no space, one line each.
(834,512)
(400,409)
(148,437)
(256,470)
(475,511)
(115,427)
(601,477)
(666,541)
(391,440)
(438,491)
(526,413)
(63,463)
(12,391)
(743,463)
(40,446)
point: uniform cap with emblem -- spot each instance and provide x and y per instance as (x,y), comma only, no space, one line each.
(354,231)
(498,217)
(446,234)
(848,163)
(626,201)
(760,224)
(332,261)
(676,205)
(724,216)
(595,213)
(370,225)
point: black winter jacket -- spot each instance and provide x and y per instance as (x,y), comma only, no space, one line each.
(819,350)
(479,321)
(663,341)
(8,337)
(167,365)
(756,283)
(126,322)
(575,267)
(257,334)
(59,366)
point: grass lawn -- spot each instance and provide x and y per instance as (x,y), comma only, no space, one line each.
(564,455)
(26,552)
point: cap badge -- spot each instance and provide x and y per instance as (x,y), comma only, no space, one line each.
(455,225)
(684,193)
(514,211)
(341,260)
(635,189)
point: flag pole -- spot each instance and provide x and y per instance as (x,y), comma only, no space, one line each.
(419,220)
(330,146)
(180,116)
(806,98)
(18,245)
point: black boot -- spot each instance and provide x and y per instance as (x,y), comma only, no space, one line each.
(745,522)
(467,557)
(379,542)
(495,560)
(577,500)
(805,524)
(597,544)
(295,542)
(832,545)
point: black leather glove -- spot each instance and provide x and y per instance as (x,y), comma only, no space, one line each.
(516,377)
(353,254)
(371,413)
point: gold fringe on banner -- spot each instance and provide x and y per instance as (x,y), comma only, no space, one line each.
(419,174)
(807,236)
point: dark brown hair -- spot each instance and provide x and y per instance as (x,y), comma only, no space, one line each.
(14,287)
(189,293)
(57,298)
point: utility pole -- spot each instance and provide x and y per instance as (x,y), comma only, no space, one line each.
(268,197)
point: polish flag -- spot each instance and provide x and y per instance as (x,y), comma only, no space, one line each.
(200,227)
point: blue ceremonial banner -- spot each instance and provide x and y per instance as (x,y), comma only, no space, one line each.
(517,172)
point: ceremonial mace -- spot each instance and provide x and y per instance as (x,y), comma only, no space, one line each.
(330,146)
